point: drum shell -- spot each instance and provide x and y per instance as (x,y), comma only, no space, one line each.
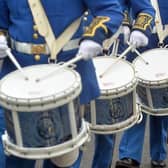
(152,86)
(42,118)
(42,129)
(112,111)
(115,109)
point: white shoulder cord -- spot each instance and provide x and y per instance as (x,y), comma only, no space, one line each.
(44,28)
(162,33)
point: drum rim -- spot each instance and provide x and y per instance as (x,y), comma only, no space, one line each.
(150,83)
(154,111)
(73,91)
(122,90)
(48,152)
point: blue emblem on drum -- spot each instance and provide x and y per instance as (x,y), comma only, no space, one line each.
(116,109)
(45,126)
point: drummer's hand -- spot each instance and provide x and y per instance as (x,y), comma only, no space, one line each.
(138,39)
(89,49)
(3,46)
(126,33)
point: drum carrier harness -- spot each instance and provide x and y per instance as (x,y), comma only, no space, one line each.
(45,30)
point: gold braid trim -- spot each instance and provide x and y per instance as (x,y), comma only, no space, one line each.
(3,32)
(126,20)
(143,21)
(98,22)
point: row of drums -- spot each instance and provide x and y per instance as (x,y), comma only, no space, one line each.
(44,119)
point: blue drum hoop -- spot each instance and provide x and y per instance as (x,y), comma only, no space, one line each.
(47,152)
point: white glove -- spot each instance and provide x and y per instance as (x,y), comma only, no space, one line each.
(3,46)
(138,39)
(126,33)
(89,49)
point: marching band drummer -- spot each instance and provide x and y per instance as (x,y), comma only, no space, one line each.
(17,20)
(131,145)
(143,12)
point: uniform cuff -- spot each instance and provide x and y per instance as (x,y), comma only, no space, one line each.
(97,30)
(126,20)
(143,23)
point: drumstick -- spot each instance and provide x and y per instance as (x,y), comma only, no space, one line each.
(117,59)
(66,64)
(15,62)
(139,54)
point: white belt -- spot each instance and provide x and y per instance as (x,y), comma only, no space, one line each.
(30,48)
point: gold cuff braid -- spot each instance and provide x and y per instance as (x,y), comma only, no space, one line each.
(126,20)
(3,32)
(143,21)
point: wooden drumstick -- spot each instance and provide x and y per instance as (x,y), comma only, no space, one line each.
(66,64)
(15,62)
(139,54)
(117,59)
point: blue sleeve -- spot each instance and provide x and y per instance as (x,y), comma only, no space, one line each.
(144,14)
(4,15)
(125,6)
(107,19)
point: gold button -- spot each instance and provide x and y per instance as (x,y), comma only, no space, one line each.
(86,28)
(35,36)
(85,18)
(37,57)
(35,28)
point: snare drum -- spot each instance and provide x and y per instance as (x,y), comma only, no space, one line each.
(153,81)
(42,117)
(115,110)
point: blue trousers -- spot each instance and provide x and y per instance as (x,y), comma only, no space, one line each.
(2,129)
(104,145)
(132,141)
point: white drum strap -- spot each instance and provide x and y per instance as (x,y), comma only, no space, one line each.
(108,42)
(162,33)
(44,28)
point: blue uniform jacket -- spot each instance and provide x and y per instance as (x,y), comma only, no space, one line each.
(163,6)
(137,6)
(142,12)
(16,18)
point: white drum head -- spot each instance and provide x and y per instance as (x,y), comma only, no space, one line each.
(119,75)
(157,69)
(53,88)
